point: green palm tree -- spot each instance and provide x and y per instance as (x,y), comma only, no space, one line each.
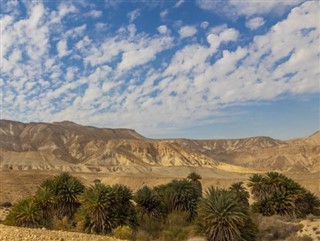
(257,184)
(283,204)
(240,192)
(25,213)
(65,190)
(95,214)
(274,182)
(195,180)
(309,203)
(179,195)
(123,206)
(46,200)
(220,217)
(104,208)
(149,203)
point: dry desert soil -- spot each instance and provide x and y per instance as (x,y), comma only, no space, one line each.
(8,233)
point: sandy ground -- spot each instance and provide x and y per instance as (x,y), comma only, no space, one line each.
(311,228)
(8,233)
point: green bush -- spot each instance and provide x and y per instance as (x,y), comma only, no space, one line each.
(151,226)
(176,228)
(123,232)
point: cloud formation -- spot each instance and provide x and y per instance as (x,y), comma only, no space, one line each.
(255,23)
(150,81)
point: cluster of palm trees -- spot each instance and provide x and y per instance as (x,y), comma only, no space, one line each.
(274,193)
(218,214)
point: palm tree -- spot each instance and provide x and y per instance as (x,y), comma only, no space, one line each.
(123,206)
(25,213)
(275,181)
(240,192)
(283,204)
(257,184)
(195,180)
(309,203)
(46,200)
(179,195)
(220,217)
(105,208)
(149,203)
(94,216)
(65,190)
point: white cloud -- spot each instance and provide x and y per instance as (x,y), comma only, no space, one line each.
(95,13)
(255,23)
(65,9)
(218,29)
(62,48)
(164,13)
(204,24)
(179,3)
(162,29)
(234,9)
(134,14)
(187,31)
(142,52)
(101,26)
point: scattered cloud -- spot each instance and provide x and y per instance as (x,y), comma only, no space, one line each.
(234,9)
(187,31)
(162,29)
(133,15)
(95,13)
(62,48)
(255,23)
(164,13)
(149,81)
(204,24)
(179,3)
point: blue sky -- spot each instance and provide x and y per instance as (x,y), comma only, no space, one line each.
(195,69)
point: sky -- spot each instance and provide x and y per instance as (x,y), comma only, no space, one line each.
(192,69)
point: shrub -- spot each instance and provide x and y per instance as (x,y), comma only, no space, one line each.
(176,228)
(62,224)
(152,226)
(123,232)
(273,228)
(143,236)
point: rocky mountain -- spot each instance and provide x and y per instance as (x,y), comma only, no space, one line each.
(69,146)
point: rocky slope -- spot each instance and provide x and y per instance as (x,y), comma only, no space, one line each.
(72,147)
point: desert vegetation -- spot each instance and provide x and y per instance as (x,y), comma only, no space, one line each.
(177,210)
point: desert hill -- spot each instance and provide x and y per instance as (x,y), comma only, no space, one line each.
(72,147)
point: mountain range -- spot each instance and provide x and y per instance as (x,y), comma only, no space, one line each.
(72,147)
